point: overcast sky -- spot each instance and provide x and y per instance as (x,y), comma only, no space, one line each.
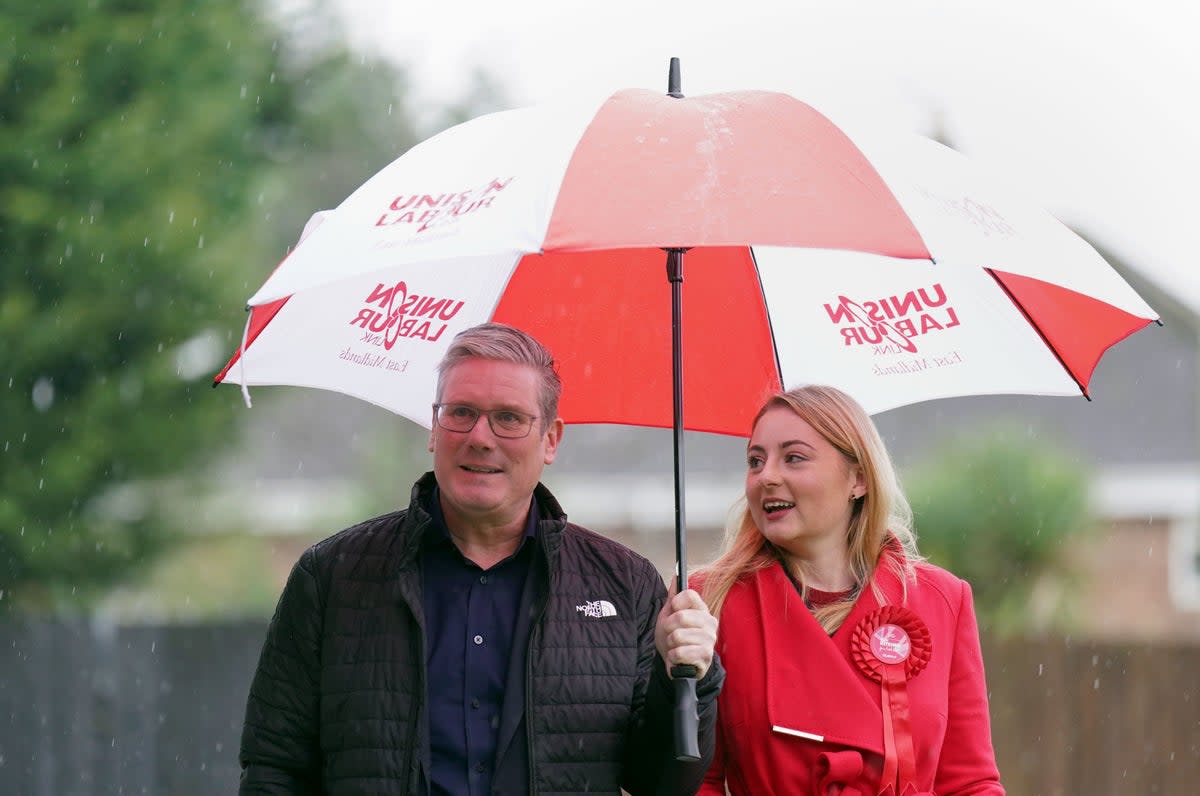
(1093,106)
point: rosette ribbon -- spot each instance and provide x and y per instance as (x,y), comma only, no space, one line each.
(891,645)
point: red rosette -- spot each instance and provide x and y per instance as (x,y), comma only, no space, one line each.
(891,646)
(919,640)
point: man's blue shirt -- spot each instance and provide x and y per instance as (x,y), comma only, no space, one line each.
(470,614)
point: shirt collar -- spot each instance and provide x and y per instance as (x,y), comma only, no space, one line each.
(438,533)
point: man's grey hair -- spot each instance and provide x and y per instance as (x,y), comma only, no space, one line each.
(504,343)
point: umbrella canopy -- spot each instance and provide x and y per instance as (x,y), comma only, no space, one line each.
(814,254)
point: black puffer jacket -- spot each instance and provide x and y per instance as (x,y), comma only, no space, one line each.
(337,705)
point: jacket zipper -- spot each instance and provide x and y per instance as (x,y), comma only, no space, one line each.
(535,634)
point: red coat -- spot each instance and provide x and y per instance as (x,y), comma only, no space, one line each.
(797,716)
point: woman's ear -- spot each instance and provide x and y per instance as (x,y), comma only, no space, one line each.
(860,483)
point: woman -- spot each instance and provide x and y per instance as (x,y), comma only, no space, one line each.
(853,667)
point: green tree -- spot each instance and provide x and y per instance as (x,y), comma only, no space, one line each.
(142,144)
(997,507)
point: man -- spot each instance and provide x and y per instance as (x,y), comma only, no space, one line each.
(477,642)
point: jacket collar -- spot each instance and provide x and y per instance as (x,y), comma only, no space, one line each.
(814,690)
(551,520)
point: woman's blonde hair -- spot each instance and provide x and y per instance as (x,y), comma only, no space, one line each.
(881,519)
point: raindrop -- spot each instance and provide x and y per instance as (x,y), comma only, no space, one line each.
(171,217)
(43,394)
(243,94)
(200,245)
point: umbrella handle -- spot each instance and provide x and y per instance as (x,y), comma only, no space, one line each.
(687,716)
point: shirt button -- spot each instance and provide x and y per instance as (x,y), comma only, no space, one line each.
(483,578)
(478,639)
(479,767)
(475,704)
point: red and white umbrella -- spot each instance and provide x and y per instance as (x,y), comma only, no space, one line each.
(813,255)
(888,267)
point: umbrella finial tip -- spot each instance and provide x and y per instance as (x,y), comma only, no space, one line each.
(674,87)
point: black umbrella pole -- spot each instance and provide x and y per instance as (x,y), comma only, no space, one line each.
(687,716)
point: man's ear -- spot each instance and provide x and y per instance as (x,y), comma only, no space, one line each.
(554,435)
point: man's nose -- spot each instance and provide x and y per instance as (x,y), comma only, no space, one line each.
(481,434)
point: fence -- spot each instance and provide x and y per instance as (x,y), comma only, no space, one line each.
(88,709)
(1073,718)
(94,710)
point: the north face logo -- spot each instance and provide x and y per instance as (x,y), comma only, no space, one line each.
(597,608)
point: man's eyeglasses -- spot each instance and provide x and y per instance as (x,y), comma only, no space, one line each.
(507,423)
